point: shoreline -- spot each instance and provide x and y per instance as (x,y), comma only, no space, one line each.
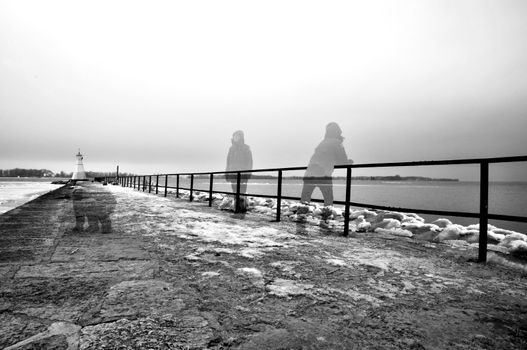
(16,203)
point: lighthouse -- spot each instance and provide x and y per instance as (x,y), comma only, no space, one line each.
(79,175)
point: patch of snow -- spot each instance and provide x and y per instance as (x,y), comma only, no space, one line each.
(365,213)
(518,248)
(442,222)
(250,253)
(286,288)
(506,242)
(353,294)
(476,227)
(451,232)
(254,275)
(504,232)
(210,274)
(387,223)
(395,231)
(336,262)
(192,257)
(251,271)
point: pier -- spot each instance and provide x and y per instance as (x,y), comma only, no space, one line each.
(175,274)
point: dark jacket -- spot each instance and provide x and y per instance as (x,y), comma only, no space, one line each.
(328,153)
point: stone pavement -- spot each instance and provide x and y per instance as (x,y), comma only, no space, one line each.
(177,275)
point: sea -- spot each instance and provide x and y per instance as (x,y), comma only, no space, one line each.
(507,198)
(15,191)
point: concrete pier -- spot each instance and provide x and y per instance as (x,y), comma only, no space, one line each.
(147,272)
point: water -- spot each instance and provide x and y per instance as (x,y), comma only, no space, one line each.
(508,198)
(17,191)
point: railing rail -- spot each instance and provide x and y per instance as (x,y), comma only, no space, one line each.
(483,215)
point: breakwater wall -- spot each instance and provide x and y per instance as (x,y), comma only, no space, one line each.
(171,271)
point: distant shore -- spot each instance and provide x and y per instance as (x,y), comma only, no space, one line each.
(362,178)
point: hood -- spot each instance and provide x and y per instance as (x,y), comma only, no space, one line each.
(241,136)
(333,131)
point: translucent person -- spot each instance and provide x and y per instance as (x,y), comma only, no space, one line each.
(328,153)
(95,206)
(101,210)
(81,205)
(239,158)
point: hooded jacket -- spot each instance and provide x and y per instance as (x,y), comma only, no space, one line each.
(328,153)
(239,156)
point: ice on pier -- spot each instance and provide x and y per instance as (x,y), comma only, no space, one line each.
(366,221)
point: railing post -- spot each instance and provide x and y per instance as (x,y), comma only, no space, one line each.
(177,186)
(279,197)
(134,181)
(149,183)
(237,201)
(347,205)
(210,189)
(157,183)
(144,183)
(483,210)
(166,184)
(191,186)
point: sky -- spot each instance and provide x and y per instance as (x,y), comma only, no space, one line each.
(160,86)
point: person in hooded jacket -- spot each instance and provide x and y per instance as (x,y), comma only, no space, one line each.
(239,158)
(329,152)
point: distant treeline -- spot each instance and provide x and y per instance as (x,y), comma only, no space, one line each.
(26,173)
(371,178)
(48,173)
(95,174)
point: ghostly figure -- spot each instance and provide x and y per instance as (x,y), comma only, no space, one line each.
(328,153)
(82,203)
(239,158)
(94,205)
(100,212)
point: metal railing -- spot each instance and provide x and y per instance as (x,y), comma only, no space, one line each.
(144,182)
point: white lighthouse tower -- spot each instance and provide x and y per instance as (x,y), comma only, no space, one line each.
(79,175)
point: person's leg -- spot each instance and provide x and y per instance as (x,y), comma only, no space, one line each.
(326,187)
(307,190)
(242,206)
(106,223)
(243,187)
(79,217)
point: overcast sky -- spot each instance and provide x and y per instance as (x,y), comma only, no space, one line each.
(161,86)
